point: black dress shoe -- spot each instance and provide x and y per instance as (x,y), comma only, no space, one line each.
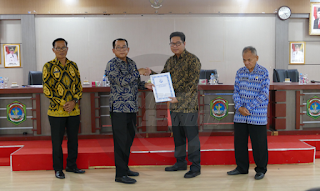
(191,174)
(259,176)
(235,172)
(132,173)
(75,170)
(176,167)
(125,179)
(59,174)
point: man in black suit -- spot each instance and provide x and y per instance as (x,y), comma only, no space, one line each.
(316,21)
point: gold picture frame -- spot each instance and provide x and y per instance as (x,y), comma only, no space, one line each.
(314,19)
(297,52)
(12,55)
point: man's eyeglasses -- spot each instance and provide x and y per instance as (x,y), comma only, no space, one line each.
(121,48)
(59,49)
(175,44)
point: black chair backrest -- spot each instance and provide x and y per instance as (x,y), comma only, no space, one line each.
(35,78)
(205,74)
(279,75)
(293,74)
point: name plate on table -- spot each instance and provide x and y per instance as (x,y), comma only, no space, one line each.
(163,88)
(202,81)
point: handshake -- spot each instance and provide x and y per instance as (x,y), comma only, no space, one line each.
(144,71)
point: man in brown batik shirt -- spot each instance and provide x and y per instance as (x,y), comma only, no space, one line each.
(184,68)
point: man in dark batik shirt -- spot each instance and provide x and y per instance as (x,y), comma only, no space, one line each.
(184,68)
(124,83)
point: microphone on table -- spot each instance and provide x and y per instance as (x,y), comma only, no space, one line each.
(313,81)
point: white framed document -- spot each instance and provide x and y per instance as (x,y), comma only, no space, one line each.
(163,88)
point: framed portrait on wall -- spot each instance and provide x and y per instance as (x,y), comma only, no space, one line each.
(297,52)
(11,55)
(314,19)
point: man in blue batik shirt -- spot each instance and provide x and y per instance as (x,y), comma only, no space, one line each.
(124,83)
(251,96)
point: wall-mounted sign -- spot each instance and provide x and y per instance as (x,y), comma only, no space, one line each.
(219,108)
(16,112)
(156,4)
(313,107)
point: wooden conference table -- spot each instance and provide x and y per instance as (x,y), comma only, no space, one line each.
(287,110)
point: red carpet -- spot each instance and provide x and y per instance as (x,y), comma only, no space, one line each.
(215,150)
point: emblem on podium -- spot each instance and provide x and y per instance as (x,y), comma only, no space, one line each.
(313,107)
(16,112)
(219,108)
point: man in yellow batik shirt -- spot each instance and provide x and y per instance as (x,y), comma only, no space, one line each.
(62,85)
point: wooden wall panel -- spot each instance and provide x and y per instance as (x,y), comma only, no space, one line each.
(144,6)
(280,124)
(280,96)
(280,110)
(162,125)
(161,113)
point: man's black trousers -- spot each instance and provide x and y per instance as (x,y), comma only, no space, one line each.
(258,136)
(185,125)
(123,127)
(58,127)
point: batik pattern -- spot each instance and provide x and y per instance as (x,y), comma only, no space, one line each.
(61,84)
(125,81)
(251,90)
(185,72)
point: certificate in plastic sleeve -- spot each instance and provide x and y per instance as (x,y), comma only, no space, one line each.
(163,88)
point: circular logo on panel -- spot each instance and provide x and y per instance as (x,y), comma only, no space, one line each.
(16,112)
(219,108)
(313,107)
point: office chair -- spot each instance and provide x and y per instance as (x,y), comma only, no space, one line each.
(205,74)
(279,75)
(293,74)
(35,78)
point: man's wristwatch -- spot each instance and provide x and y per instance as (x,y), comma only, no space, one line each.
(75,100)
